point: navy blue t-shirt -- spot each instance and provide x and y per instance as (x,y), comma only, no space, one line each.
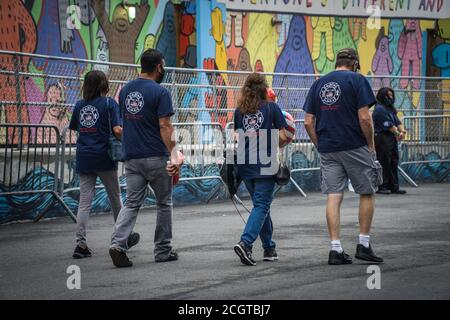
(142,103)
(90,119)
(384,118)
(335,99)
(269,116)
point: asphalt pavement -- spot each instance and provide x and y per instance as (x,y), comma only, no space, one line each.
(411,232)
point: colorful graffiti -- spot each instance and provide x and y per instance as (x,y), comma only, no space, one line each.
(204,34)
(104,30)
(114,30)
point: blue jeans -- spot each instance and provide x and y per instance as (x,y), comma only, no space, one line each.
(259,222)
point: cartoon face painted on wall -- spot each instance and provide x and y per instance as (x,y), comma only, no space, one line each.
(441,58)
(120,19)
(443,27)
(166,44)
(86,17)
(295,58)
(244,61)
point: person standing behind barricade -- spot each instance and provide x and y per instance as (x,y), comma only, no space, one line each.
(340,125)
(95,117)
(253,118)
(388,129)
(147,147)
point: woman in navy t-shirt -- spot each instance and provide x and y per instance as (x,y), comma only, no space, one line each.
(95,118)
(254,121)
(388,129)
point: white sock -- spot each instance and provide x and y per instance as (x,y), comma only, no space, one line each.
(336,246)
(364,240)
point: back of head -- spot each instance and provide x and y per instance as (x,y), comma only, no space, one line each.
(253,93)
(348,58)
(95,85)
(150,59)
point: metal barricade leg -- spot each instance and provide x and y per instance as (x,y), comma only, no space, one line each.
(298,187)
(407,178)
(447,172)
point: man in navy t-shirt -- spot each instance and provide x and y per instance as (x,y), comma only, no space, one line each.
(146,108)
(339,124)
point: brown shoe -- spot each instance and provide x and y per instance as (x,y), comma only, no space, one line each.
(119,258)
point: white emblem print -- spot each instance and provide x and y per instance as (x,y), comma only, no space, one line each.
(330,93)
(88,116)
(253,121)
(134,102)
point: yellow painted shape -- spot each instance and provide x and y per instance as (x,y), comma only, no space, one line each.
(218,31)
(366,49)
(262,40)
(149,42)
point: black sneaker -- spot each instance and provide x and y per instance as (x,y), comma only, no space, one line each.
(384,191)
(173,256)
(270,255)
(399,191)
(367,254)
(245,254)
(133,239)
(80,252)
(336,258)
(119,258)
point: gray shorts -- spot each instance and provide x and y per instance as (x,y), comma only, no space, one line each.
(359,165)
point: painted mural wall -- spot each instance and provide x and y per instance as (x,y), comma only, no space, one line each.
(99,30)
(210,37)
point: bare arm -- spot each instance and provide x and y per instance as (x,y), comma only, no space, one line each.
(166,130)
(117,130)
(366,123)
(282,138)
(310,126)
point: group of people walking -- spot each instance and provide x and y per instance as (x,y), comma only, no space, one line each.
(337,120)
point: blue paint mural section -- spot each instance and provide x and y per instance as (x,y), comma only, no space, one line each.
(26,207)
(51,42)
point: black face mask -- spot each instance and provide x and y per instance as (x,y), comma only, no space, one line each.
(161,75)
(389,101)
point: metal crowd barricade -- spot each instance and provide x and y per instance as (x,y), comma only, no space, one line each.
(230,145)
(303,145)
(29,165)
(427,141)
(70,181)
(202,144)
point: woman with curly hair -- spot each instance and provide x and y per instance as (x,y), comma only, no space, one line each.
(257,123)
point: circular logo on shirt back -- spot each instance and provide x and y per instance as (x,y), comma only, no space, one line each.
(330,93)
(253,121)
(134,102)
(88,116)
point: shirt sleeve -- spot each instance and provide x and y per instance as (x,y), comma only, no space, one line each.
(114,112)
(308,106)
(364,94)
(121,104)
(73,125)
(165,108)
(381,119)
(235,116)
(279,121)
